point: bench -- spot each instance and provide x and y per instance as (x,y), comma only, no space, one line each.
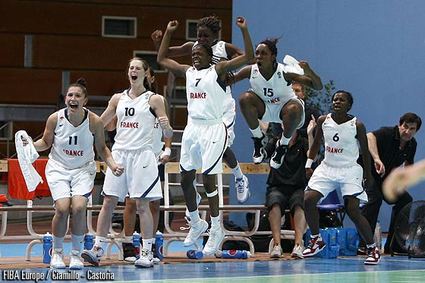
(247,168)
(169,234)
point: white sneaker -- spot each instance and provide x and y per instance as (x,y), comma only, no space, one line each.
(57,259)
(156,260)
(75,262)
(276,252)
(216,236)
(145,260)
(93,256)
(242,189)
(297,252)
(195,232)
(198,201)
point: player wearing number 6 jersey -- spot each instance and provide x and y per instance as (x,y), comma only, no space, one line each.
(342,134)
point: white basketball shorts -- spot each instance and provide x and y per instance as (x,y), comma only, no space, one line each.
(203,146)
(140,178)
(326,179)
(66,183)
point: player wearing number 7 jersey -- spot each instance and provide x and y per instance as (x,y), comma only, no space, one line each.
(342,134)
(205,136)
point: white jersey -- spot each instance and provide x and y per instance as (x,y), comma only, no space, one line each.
(205,96)
(341,144)
(276,90)
(135,122)
(220,54)
(219,51)
(72,146)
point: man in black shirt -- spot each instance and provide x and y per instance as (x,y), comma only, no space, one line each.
(390,147)
(286,190)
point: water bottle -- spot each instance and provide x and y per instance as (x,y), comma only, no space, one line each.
(136,242)
(47,248)
(233,254)
(194,254)
(88,241)
(378,236)
(159,245)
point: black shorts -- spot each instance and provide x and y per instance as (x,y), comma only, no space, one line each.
(161,172)
(284,197)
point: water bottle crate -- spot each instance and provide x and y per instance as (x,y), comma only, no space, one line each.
(339,241)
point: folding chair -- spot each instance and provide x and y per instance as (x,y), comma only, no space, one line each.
(333,203)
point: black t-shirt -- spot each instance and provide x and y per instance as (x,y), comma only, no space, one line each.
(388,142)
(292,171)
(309,110)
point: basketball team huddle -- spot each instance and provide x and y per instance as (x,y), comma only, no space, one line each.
(142,145)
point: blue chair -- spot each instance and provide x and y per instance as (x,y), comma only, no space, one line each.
(333,203)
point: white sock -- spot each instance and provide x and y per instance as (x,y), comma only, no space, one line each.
(284,140)
(194,216)
(215,221)
(100,242)
(371,246)
(257,133)
(147,244)
(57,242)
(77,242)
(128,239)
(237,172)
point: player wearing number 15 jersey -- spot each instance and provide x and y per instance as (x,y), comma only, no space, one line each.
(271,99)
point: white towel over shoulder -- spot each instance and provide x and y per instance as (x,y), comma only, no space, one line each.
(291,65)
(26,156)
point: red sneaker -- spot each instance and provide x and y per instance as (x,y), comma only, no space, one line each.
(373,256)
(315,246)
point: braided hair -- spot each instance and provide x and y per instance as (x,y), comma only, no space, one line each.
(211,22)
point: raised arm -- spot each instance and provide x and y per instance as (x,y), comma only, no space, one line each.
(233,51)
(47,139)
(242,74)
(314,147)
(173,51)
(96,127)
(310,78)
(361,136)
(163,60)
(223,67)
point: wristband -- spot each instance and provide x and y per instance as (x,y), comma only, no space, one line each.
(309,163)
(167,151)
